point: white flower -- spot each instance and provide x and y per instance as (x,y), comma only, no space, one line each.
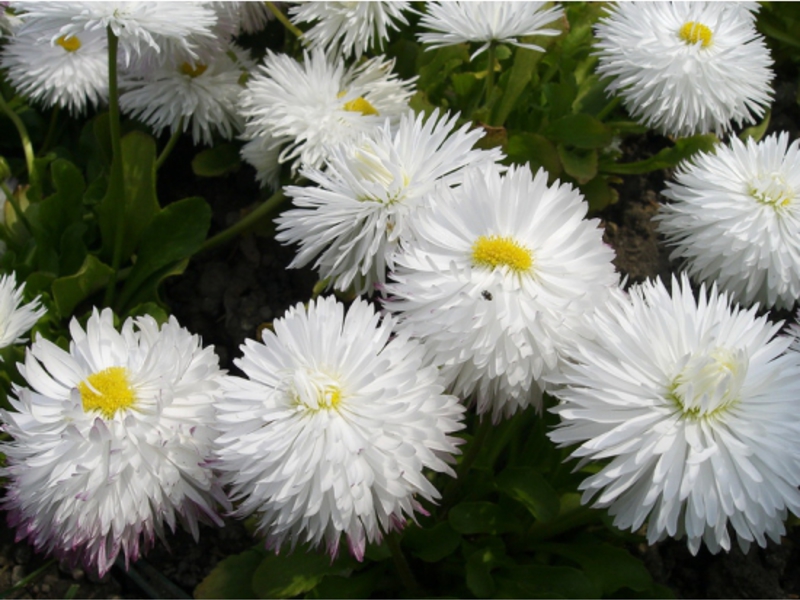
(497,276)
(735,219)
(686,67)
(334,427)
(16,318)
(112,440)
(309,107)
(349,28)
(201,96)
(354,216)
(137,24)
(456,22)
(71,73)
(262,154)
(692,407)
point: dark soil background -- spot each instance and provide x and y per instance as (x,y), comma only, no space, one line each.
(228,294)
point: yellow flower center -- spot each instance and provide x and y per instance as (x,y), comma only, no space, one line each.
(693,32)
(360,104)
(709,384)
(314,391)
(193,70)
(70,44)
(107,391)
(495,251)
(771,190)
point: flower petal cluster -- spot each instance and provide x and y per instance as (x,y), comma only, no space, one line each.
(111,440)
(686,67)
(353,218)
(331,432)
(735,219)
(349,28)
(456,22)
(307,108)
(496,278)
(16,318)
(692,407)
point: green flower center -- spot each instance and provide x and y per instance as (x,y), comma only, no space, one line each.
(107,391)
(693,32)
(772,190)
(495,251)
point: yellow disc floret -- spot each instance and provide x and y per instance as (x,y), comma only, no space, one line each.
(361,105)
(70,44)
(495,251)
(193,70)
(107,391)
(693,32)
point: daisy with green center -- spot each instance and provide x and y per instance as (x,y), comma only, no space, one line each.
(494,278)
(111,440)
(334,427)
(689,407)
(16,318)
(686,67)
(735,219)
(352,219)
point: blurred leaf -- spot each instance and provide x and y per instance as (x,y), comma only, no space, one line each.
(359,584)
(683,149)
(232,577)
(535,150)
(479,574)
(599,194)
(71,290)
(582,165)
(580,131)
(538,581)
(528,487)
(431,544)
(481,517)
(217,161)
(287,575)
(756,132)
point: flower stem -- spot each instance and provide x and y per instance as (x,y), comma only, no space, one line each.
(260,212)
(470,456)
(170,144)
(51,130)
(608,108)
(401,564)
(489,89)
(27,146)
(284,20)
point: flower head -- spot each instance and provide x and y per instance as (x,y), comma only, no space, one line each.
(331,432)
(735,219)
(307,108)
(349,27)
(112,440)
(456,22)
(686,67)
(16,318)
(495,277)
(352,219)
(692,407)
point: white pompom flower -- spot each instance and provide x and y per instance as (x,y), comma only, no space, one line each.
(352,219)
(691,407)
(308,108)
(487,22)
(16,318)
(111,440)
(686,67)
(497,275)
(333,429)
(349,28)
(735,219)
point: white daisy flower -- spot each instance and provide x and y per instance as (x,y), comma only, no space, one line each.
(71,74)
(349,28)
(487,22)
(262,153)
(353,218)
(310,107)
(692,407)
(735,219)
(253,16)
(112,440)
(498,275)
(331,432)
(201,96)
(686,67)
(16,318)
(137,24)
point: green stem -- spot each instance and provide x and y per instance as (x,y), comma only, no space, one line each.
(260,212)
(27,146)
(170,144)
(15,205)
(401,564)
(453,488)
(51,130)
(608,108)
(284,20)
(491,53)
(26,581)
(116,182)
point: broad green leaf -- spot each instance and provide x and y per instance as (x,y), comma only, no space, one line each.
(217,161)
(525,63)
(560,97)
(232,577)
(580,164)
(479,574)
(531,489)
(539,581)
(63,208)
(581,131)
(287,575)
(599,194)
(481,517)
(535,150)
(756,132)
(73,249)
(360,584)
(431,544)
(71,290)
(683,149)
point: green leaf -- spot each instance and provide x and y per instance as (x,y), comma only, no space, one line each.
(217,161)
(481,517)
(431,544)
(361,584)
(479,574)
(538,581)
(151,309)
(599,194)
(756,132)
(528,487)
(232,577)
(535,150)
(582,165)
(63,208)
(70,291)
(581,131)
(525,63)
(175,234)
(683,149)
(287,575)
(560,97)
